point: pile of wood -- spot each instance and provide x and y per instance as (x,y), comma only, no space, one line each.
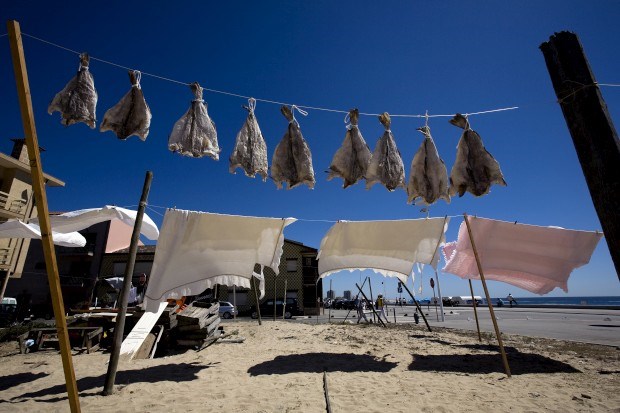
(197,324)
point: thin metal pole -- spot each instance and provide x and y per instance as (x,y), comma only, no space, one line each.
(119,328)
(235,302)
(486,293)
(418,306)
(471,289)
(36,170)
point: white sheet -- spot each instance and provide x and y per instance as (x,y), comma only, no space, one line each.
(84,218)
(18,229)
(537,259)
(197,250)
(389,248)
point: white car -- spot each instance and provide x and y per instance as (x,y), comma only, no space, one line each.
(227,310)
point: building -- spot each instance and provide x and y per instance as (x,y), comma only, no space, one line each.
(331,294)
(17,202)
(347,294)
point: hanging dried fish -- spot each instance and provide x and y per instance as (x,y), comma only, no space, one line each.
(250,151)
(475,169)
(194,134)
(352,159)
(131,115)
(386,164)
(292,160)
(428,178)
(78,100)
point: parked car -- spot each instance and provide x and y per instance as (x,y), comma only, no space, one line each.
(266,308)
(8,311)
(227,310)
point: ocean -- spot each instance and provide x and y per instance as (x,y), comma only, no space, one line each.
(589,301)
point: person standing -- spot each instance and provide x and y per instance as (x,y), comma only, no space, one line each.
(381,307)
(361,307)
(511,300)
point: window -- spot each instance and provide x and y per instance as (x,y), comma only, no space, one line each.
(291,264)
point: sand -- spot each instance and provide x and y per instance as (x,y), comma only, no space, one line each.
(279,368)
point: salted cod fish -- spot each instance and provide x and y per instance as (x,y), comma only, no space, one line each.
(131,115)
(77,102)
(352,159)
(428,179)
(250,151)
(474,169)
(292,160)
(194,134)
(386,165)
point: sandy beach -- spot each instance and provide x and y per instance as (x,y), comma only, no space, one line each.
(279,368)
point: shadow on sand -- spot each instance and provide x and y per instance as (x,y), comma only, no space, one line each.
(6,382)
(169,372)
(319,362)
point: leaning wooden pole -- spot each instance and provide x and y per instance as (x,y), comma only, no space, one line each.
(371,306)
(594,136)
(488,297)
(119,328)
(25,103)
(417,305)
(473,303)
(260,322)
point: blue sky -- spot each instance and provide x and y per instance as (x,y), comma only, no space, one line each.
(399,57)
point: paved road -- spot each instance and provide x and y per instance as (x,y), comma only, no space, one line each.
(582,325)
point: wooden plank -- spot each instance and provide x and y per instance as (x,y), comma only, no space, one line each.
(32,143)
(141,330)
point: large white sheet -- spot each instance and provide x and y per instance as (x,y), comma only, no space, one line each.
(84,218)
(390,248)
(537,259)
(18,229)
(197,250)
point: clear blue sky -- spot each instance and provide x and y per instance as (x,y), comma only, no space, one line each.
(399,57)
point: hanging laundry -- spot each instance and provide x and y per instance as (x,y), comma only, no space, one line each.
(390,248)
(131,115)
(250,151)
(292,160)
(84,218)
(18,229)
(194,134)
(386,164)
(78,100)
(537,259)
(428,179)
(475,169)
(352,159)
(197,250)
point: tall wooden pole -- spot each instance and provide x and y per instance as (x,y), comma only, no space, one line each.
(486,293)
(473,301)
(594,136)
(329,313)
(284,301)
(260,322)
(119,328)
(32,143)
(417,305)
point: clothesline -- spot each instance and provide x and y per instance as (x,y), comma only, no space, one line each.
(426,115)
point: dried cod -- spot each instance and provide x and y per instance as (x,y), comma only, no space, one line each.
(428,179)
(78,100)
(250,151)
(475,169)
(194,134)
(352,159)
(292,160)
(386,164)
(131,115)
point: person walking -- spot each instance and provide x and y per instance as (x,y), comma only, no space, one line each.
(361,307)
(381,307)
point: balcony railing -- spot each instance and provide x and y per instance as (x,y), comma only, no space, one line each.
(13,205)
(5,257)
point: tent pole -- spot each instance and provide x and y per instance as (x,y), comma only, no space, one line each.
(471,289)
(119,327)
(486,293)
(260,323)
(372,306)
(284,301)
(417,305)
(30,132)
(329,313)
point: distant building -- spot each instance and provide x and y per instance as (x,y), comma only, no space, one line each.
(331,294)
(347,294)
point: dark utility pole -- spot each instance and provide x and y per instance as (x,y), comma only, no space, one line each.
(594,136)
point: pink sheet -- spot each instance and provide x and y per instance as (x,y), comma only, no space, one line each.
(537,259)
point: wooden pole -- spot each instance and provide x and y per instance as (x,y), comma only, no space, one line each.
(594,135)
(372,306)
(486,293)
(119,327)
(471,289)
(260,323)
(356,297)
(435,299)
(275,298)
(372,301)
(418,306)
(284,301)
(36,170)
(329,314)
(235,302)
